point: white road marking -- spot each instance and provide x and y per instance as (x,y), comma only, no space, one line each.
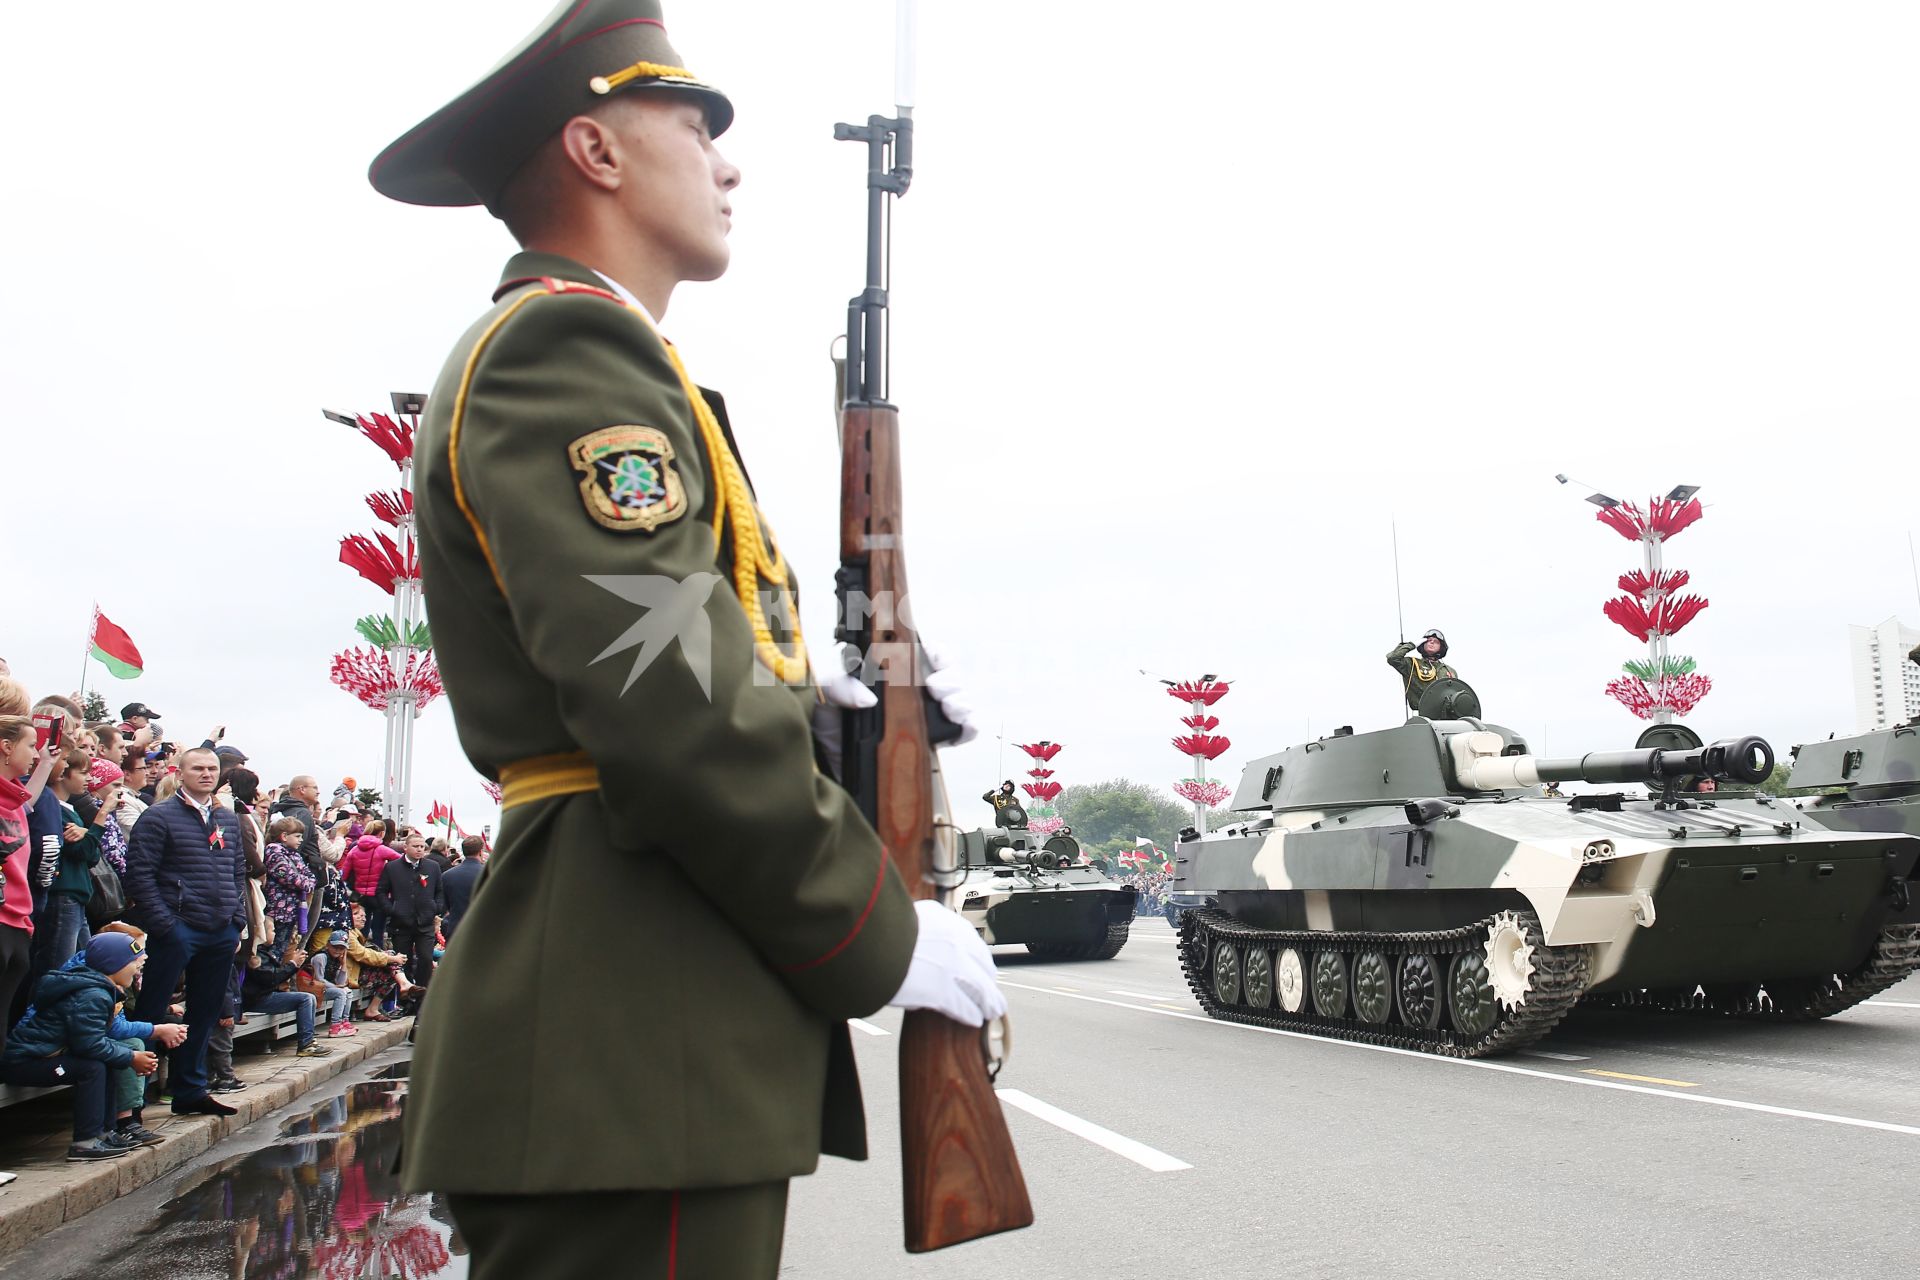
(1895,1004)
(1135,995)
(1138,1152)
(861,1024)
(1557,1057)
(1505,1067)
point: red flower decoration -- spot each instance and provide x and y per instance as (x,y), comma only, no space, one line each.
(383,563)
(390,507)
(1202,744)
(1207,692)
(395,439)
(1042,790)
(1042,750)
(1666,582)
(1203,724)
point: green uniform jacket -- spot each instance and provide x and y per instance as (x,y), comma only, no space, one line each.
(650,987)
(1417,672)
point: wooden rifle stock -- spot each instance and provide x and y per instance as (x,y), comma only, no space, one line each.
(962,1179)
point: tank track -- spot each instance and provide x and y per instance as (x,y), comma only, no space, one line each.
(1895,956)
(1560,978)
(1105,949)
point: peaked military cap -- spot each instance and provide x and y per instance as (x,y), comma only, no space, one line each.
(585,50)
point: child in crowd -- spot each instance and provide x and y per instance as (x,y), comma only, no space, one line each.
(367,969)
(73,1034)
(289,880)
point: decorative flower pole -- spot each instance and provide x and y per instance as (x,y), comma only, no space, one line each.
(1200,744)
(1664,686)
(1043,819)
(397,676)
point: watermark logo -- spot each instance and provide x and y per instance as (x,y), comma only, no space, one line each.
(676,611)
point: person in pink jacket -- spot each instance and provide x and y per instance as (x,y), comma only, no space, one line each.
(362,867)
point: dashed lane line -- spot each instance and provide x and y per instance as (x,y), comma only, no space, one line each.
(1507,1068)
(861,1024)
(1138,1152)
(1162,998)
(1557,1057)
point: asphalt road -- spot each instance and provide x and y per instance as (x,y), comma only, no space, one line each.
(1177,1146)
(1621,1146)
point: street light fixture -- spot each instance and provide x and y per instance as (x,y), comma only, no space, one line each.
(344,419)
(409,404)
(1681,492)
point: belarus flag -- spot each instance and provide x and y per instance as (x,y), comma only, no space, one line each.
(114,648)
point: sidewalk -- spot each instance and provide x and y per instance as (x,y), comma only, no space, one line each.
(51,1190)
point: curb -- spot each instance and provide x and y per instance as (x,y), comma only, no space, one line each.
(51,1192)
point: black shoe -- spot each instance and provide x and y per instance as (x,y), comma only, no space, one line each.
(203,1106)
(138,1135)
(96,1149)
(226,1084)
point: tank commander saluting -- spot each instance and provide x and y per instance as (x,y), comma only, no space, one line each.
(682,911)
(1420,666)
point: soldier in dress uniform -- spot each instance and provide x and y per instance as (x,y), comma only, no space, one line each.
(1419,665)
(682,911)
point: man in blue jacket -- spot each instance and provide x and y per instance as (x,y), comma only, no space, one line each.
(186,878)
(66,1038)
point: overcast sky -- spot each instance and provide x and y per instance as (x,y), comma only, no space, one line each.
(1192,304)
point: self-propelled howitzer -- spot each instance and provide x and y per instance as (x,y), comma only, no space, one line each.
(1414,887)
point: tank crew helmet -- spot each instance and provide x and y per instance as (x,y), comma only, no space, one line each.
(1435,634)
(1006,788)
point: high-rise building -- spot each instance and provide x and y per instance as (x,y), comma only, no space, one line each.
(1886,687)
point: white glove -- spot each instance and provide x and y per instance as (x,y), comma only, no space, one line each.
(838,685)
(952,970)
(946,691)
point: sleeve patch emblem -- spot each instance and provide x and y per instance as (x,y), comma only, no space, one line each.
(627,478)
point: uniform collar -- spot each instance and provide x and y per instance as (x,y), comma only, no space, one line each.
(528,266)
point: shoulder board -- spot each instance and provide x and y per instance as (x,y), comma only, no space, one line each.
(553,284)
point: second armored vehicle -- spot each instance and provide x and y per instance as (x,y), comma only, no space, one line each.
(1022,887)
(1868,782)
(1413,887)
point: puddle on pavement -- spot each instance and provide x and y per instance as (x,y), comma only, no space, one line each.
(331,1116)
(307,1206)
(398,1071)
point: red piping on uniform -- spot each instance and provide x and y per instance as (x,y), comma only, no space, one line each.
(555,285)
(673,1238)
(615,26)
(858,925)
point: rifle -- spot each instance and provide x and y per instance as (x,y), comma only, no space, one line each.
(962,1179)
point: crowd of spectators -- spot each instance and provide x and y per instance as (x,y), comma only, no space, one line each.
(153,893)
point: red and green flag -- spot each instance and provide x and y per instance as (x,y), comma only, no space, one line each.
(114,648)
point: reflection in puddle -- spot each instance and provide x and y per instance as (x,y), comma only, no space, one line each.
(325,1206)
(398,1071)
(331,1116)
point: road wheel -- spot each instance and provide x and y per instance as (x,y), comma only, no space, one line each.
(1290,979)
(1257,981)
(1421,1000)
(1372,986)
(1470,995)
(1226,973)
(1330,984)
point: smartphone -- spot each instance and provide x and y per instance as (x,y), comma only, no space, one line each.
(49,727)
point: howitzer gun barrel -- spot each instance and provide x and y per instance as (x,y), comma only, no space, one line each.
(1741,760)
